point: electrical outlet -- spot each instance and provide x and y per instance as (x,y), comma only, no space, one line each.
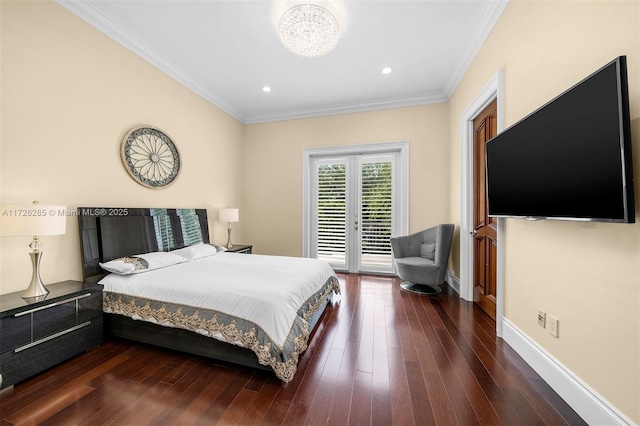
(542,318)
(553,326)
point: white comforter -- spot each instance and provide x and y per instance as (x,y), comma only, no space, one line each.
(267,290)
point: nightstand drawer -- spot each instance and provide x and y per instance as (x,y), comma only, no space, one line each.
(15,332)
(59,316)
(54,319)
(90,307)
(17,366)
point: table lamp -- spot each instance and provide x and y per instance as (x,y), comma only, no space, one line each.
(35,220)
(229,215)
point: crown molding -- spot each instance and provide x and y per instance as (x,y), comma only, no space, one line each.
(90,13)
(488,18)
(347,108)
(87,11)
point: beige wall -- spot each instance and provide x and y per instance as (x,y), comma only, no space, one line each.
(273,168)
(585,274)
(69,94)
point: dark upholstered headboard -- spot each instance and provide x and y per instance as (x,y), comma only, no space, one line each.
(108,233)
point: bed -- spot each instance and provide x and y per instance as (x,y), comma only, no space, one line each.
(166,285)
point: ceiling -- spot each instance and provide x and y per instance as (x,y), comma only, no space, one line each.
(228,50)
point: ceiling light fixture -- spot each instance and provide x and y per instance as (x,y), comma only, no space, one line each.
(266,89)
(309,30)
(387,70)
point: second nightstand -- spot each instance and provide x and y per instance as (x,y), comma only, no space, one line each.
(241,248)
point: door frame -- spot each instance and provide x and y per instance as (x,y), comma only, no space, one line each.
(309,154)
(494,89)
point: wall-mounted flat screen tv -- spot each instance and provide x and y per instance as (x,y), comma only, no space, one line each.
(571,158)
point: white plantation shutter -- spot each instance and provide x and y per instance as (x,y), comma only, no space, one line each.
(331,213)
(376,215)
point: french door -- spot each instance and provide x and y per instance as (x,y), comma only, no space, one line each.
(355,206)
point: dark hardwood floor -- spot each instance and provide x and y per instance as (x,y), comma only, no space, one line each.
(379,356)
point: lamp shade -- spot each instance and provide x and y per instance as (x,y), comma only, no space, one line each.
(32,219)
(229,215)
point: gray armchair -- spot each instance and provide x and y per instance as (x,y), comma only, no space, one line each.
(421,258)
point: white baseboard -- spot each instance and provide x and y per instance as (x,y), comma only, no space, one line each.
(592,407)
(452,280)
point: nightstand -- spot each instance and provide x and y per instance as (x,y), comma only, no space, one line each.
(38,335)
(241,248)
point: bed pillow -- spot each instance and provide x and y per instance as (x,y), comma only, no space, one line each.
(124,265)
(198,251)
(159,259)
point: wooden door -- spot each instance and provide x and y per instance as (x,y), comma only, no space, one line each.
(485,228)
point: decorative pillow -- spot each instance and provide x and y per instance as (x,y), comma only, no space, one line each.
(198,251)
(159,259)
(428,251)
(124,265)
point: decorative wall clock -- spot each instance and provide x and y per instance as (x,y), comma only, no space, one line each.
(150,157)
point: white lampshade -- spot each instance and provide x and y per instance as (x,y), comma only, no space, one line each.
(32,219)
(229,215)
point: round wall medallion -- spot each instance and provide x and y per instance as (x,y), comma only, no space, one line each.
(150,157)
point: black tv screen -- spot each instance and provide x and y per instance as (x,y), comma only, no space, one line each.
(571,158)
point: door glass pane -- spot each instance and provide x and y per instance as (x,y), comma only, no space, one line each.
(332,214)
(376,216)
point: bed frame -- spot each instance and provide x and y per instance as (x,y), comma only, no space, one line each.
(108,233)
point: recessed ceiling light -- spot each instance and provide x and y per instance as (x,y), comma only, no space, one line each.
(387,70)
(266,89)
